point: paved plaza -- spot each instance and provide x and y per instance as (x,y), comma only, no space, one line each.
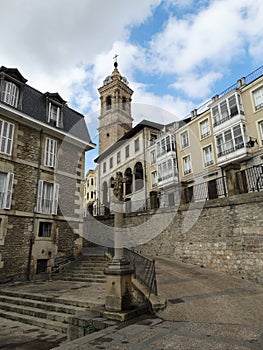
(205,310)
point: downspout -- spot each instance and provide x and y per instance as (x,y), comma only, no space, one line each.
(145,165)
(31,241)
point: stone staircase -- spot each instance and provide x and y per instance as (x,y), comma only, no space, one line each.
(40,310)
(86,269)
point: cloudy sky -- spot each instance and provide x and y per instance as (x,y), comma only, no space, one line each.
(175,54)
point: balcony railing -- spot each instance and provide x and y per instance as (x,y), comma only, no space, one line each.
(251,179)
(227,150)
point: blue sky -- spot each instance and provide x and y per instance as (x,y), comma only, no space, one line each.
(175,54)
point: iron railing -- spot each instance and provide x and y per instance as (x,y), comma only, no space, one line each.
(144,269)
(207,190)
(251,179)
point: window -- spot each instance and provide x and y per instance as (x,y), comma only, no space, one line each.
(108,102)
(104,167)
(124,103)
(44,229)
(260,125)
(136,145)
(154,178)
(258,98)
(184,139)
(138,170)
(208,156)
(118,157)
(127,151)
(187,167)
(227,109)
(92,182)
(128,183)
(153,137)
(153,157)
(54,115)
(111,162)
(6,187)
(10,93)
(6,137)
(50,153)
(231,140)
(42,266)
(47,198)
(204,128)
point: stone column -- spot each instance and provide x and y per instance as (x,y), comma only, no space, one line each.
(231,179)
(118,274)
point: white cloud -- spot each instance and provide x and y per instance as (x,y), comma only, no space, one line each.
(47,40)
(196,86)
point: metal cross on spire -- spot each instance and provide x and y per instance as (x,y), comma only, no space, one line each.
(115,62)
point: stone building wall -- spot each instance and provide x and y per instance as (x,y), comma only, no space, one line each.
(223,234)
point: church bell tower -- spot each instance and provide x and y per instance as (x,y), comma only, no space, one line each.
(115,114)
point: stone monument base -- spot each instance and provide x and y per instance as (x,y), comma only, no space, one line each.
(118,286)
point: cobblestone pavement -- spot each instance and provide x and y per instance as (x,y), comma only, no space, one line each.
(205,310)
(19,336)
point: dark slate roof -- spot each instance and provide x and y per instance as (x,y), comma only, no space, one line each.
(34,105)
(129,135)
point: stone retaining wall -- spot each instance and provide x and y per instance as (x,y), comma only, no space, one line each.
(224,234)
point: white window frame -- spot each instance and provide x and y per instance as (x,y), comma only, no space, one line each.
(187,165)
(118,157)
(260,129)
(229,144)
(50,153)
(184,136)
(208,157)
(226,110)
(204,128)
(6,190)
(54,114)
(153,157)
(10,93)
(47,197)
(258,98)
(6,137)
(154,178)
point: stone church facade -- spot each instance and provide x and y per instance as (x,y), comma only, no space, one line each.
(42,153)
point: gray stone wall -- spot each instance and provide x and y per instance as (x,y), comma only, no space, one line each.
(224,234)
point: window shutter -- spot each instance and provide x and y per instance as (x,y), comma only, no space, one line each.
(58,117)
(54,155)
(39,208)
(47,152)
(55,199)
(8,191)
(9,138)
(49,112)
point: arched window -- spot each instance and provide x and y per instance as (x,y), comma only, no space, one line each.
(138,170)
(128,183)
(124,103)
(108,102)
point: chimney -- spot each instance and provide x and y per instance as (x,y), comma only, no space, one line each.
(241,82)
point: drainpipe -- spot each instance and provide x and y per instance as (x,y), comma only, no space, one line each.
(145,165)
(31,241)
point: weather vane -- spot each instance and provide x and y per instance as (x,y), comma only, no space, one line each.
(115,57)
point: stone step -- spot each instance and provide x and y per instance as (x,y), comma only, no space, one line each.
(80,279)
(34,312)
(86,268)
(46,299)
(67,309)
(36,321)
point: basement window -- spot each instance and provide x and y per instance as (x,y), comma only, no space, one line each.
(42,266)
